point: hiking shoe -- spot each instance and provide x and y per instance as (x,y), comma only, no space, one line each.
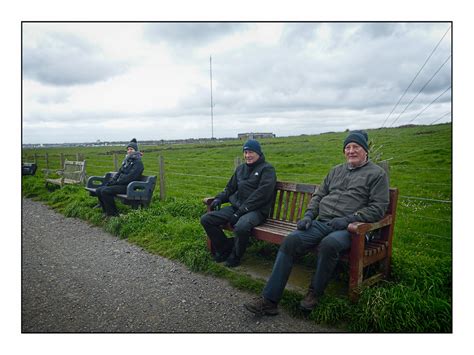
(309,302)
(220,257)
(260,306)
(232,261)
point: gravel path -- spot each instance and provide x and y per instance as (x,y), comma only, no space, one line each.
(78,278)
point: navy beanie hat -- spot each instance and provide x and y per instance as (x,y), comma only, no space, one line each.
(359,137)
(133,143)
(253,145)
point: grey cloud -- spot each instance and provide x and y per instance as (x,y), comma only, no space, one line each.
(366,75)
(65,59)
(299,34)
(53,98)
(190,33)
(376,30)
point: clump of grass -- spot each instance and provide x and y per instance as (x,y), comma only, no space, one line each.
(424,273)
(399,308)
(332,311)
(189,208)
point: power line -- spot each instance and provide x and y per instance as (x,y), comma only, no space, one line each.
(430,104)
(447,113)
(419,92)
(419,71)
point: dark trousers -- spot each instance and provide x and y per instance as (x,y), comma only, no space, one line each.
(331,242)
(212,222)
(106,194)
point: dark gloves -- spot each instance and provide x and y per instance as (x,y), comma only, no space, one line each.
(340,223)
(305,223)
(216,204)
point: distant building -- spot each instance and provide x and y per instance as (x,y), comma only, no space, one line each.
(244,136)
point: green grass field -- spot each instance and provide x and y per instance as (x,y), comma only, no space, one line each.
(418,297)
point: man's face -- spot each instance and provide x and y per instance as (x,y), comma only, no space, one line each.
(250,156)
(130,150)
(355,154)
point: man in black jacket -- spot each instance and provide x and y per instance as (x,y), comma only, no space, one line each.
(131,169)
(250,192)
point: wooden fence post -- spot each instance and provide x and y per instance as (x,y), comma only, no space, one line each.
(47,160)
(36,159)
(62,161)
(162,178)
(115,162)
(237,162)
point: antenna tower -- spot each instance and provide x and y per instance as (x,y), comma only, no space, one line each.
(212,108)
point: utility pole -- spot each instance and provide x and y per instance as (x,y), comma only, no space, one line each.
(212,108)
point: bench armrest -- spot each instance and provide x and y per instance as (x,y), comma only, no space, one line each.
(137,189)
(358,232)
(96,181)
(363,228)
(207,201)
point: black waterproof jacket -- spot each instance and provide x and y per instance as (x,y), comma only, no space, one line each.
(131,169)
(251,188)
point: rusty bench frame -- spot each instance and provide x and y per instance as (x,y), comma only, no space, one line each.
(290,201)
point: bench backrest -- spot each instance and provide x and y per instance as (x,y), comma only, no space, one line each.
(74,170)
(291,200)
(28,168)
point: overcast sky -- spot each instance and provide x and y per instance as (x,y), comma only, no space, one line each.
(84,82)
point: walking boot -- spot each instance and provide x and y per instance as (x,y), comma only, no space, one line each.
(221,256)
(233,260)
(309,302)
(260,306)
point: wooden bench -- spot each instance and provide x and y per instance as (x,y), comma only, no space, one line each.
(139,192)
(73,172)
(28,168)
(289,205)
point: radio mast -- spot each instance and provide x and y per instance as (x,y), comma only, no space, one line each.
(212,109)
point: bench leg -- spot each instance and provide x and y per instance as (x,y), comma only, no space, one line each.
(210,247)
(355,280)
(356,266)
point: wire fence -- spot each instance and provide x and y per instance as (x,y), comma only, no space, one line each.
(193,177)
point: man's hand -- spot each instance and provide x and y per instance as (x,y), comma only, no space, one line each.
(305,223)
(340,223)
(216,205)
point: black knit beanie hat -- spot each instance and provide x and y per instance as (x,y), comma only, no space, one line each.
(359,137)
(252,145)
(133,143)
